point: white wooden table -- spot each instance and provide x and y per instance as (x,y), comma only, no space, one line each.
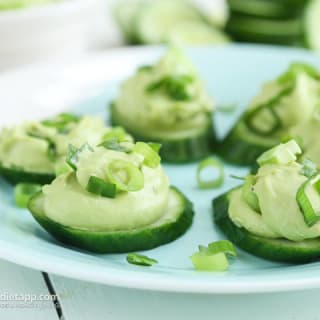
(87,301)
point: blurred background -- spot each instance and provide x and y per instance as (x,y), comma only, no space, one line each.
(40,30)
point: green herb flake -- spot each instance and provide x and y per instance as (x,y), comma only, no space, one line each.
(140,260)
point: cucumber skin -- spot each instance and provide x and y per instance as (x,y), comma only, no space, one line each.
(15,176)
(177,151)
(279,250)
(118,242)
(239,152)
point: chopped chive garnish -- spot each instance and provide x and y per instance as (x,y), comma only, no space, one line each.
(297,68)
(73,154)
(174,86)
(23,192)
(213,257)
(52,149)
(125,175)
(213,183)
(233,176)
(140,260)
(283,153)
(309,168)
(118,134)
(222,246)
(248,194)
(310,216)
(101,187)
(113,144)
(151,157)
(61,121)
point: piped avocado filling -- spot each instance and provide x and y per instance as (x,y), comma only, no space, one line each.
(166,97)
(41,146)
(282,200)
(289,100)
(110,190)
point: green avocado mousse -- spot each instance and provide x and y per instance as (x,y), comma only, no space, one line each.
(167,103)
(32,152)
(289,100)
(275,214)
(116,199)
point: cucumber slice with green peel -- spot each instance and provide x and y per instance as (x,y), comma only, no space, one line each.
(265,30)
(280,250)
(15,176)
(172,225)
(262,8)
(242,147)
(196,33)
(125,13)
(176,147)
(312,25)
(157,18)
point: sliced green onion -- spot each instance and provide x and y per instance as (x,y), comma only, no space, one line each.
(61,168)
(101,187)
(213,257)
(151,157)
(125,175)
(155,146)
(117,133)
(248,194)
(297,68)
(310,216)
(140,260)
(204,262)
(214,183)
(23,192)
(113,144)
(309,168)
(261,109)
(73,154)
(52,149)
(174,86)
(222,246)
(233,176)
(283,153)
(61,121)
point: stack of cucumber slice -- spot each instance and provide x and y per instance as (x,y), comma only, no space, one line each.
(285,22)
(166,21)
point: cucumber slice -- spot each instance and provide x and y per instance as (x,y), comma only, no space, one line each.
(271,249)
(172,225)
(242,147)
(196,33)
(265,30)
(125,13)
(176,147)
(312,25)
(261,8)
(157,18)
(15,176)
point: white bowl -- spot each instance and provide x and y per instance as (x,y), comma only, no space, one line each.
(45,31)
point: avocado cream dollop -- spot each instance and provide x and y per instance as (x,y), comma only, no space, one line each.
(27,146)
(67,201)
(289,100)
(279,215)
(167,97)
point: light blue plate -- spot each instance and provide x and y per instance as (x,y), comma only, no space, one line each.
(233,75)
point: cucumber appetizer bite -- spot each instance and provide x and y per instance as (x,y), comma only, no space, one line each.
(168,103)
(34,151)
(116,199)
(275,213)
(290,100)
